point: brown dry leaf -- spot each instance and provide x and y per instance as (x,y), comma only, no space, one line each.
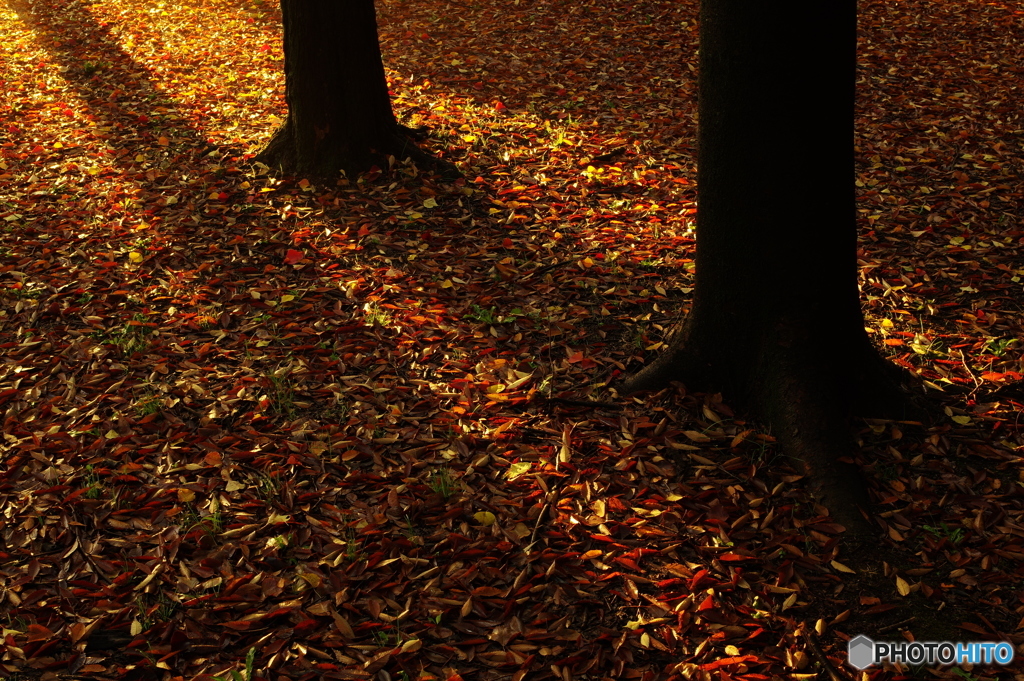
(842,568)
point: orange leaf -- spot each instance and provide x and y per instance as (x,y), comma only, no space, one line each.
(37,632)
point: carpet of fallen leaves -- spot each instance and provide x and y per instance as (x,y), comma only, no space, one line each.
(364,431)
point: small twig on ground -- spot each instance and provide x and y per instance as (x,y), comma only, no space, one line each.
(896,625)
(536,526)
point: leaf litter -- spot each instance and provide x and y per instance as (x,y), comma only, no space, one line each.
(365,431)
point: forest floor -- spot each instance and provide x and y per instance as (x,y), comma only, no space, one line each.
(365,430)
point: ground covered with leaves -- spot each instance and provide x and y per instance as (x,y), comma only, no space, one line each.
(261,426)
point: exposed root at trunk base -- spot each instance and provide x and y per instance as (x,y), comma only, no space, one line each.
(808,400)
(406,148)
(814,430)
(281,153)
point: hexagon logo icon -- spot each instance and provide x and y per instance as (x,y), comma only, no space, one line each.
(860,652)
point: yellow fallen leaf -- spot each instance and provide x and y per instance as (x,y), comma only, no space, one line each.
(430,203)
(902,586)
(696,436)
(135,256)
(186,495)
(312,579)
(485,518)
(517,470)
(234,486)
(447,283)
(842,568)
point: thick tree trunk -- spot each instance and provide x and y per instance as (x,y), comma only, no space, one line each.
(339,110)
(776,321)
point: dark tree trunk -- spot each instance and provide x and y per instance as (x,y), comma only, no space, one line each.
(776,322)
(339,110)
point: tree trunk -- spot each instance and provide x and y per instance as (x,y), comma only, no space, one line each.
(776,322)
(339,110)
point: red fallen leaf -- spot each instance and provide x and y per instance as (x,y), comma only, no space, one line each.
(239,625)
(37,632)
(706,604)
(974,628)
(700,578)
(292,256)
(755,633)
(880,608)
(725,661)
(306,625)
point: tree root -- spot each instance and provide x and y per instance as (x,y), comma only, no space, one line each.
(810,404)
(405,148)
(281,155)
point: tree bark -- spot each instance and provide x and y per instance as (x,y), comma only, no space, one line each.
(776,322)
(339,109)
